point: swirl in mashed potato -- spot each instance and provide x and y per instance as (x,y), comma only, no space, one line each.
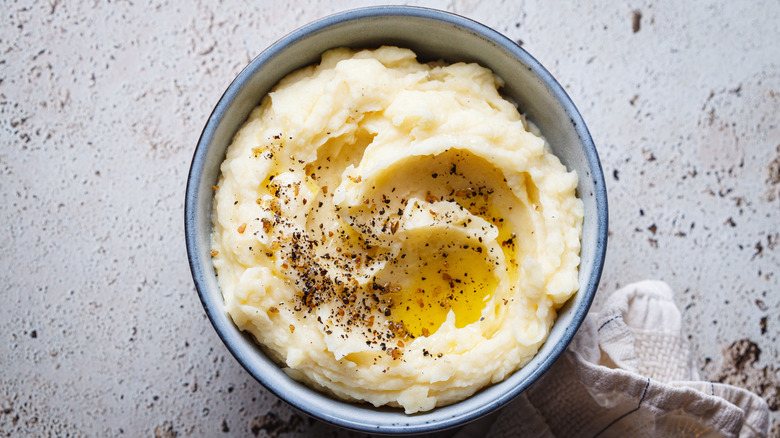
(394,232)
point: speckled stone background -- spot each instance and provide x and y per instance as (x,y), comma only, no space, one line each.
(102,103)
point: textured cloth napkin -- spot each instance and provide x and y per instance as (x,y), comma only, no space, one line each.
(628,373)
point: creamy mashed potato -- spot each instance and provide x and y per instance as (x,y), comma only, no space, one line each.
(394,232)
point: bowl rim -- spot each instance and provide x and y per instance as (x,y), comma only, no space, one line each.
(417,423)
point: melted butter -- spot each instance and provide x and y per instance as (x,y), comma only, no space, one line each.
(460,280)
(515,227)
(480,206)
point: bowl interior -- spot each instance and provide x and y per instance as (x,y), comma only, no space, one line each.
(432,35)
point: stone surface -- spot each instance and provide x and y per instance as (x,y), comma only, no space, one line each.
(101,104)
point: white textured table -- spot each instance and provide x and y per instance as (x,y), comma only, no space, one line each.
(101,104)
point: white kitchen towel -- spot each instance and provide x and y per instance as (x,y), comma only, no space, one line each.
(628,373)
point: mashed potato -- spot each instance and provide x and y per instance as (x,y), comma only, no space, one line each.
(394,232)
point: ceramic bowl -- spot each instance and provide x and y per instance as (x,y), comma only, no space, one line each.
(432,35)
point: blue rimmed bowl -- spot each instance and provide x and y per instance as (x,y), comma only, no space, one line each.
(432,35)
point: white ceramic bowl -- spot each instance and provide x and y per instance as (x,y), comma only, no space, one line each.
(432,35)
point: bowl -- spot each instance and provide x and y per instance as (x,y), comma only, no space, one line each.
(433,35)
